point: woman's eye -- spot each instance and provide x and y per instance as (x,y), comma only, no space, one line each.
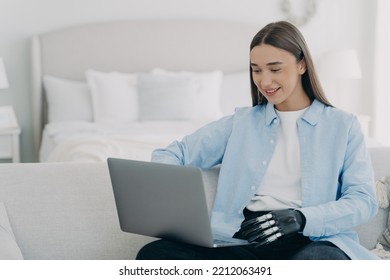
(255,71)
(275,70)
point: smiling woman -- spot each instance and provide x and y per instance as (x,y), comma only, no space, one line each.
(284,181)
(277,75)
(283,41)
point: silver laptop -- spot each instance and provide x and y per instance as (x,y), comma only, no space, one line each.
(164,201)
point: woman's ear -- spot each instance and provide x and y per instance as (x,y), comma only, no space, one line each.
(302,66)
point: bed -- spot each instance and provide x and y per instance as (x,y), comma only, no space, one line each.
(124,88)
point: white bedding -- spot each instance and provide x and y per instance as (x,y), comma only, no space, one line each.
(93,142)
(129,115)
(89,141)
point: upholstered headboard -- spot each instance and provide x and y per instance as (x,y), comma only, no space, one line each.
(134,46)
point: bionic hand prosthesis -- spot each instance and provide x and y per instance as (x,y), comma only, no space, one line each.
(272,226)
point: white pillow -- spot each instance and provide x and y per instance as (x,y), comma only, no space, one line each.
(67,100)
(9,249)
(207,101)
(167,97)
(384,239)
(114,96)
(235,91)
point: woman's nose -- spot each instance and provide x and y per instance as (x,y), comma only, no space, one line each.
(265,81)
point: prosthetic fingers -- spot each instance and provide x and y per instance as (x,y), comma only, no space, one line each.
(272,226)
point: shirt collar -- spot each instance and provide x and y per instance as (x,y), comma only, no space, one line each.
(311,116)
(270,113)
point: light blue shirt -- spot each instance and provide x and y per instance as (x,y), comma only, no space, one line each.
(337,180)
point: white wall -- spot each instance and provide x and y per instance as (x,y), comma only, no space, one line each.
(337,24)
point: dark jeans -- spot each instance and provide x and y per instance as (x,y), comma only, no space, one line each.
(169,250)
(296,247)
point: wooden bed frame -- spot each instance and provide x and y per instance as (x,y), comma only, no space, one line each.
(135,46)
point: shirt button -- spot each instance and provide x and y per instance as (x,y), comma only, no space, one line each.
(253,188)
(272,141)
(264,162)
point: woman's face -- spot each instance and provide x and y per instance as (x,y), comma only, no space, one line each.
(277,76)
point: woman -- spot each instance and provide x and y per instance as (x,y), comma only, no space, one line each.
(295,175)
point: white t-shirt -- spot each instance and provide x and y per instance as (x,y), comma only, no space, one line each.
(281,186)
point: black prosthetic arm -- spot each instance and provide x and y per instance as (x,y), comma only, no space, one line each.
(272,226)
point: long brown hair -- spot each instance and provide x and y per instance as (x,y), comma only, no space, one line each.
(284,35)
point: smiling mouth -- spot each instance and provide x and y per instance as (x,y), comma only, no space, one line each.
(271,92)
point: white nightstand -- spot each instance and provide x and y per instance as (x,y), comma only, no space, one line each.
(9,134)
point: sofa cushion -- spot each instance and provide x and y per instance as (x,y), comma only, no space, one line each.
(382,243)
(65,211)
(9,249)
(384,239)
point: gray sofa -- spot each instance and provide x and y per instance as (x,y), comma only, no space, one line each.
(67,211)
